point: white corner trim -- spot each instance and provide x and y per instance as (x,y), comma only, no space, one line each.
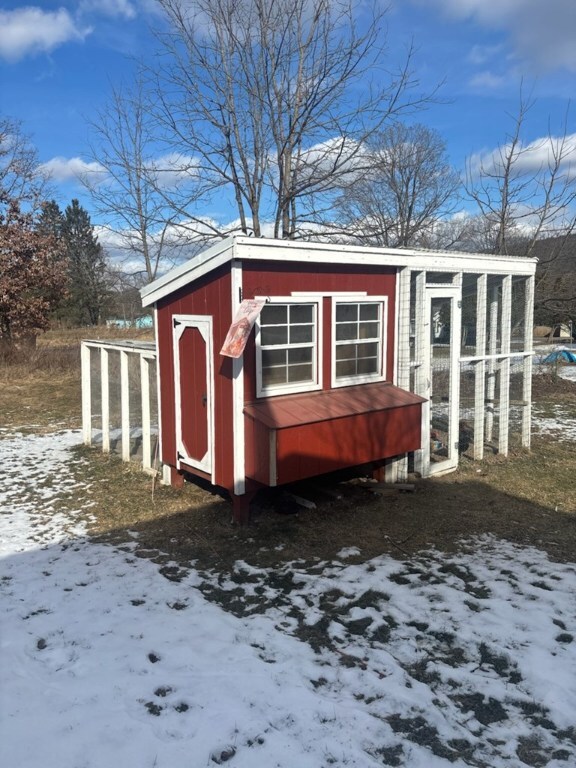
(238,431)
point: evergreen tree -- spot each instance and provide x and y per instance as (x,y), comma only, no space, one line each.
(50,220)
(87,267)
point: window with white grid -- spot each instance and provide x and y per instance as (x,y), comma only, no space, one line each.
(287,348)
(359,341)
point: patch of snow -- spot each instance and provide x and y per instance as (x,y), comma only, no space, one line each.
(105,662)
(36,473)
(347,552)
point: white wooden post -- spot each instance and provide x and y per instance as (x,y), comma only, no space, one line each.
(403,366)
(238,437)
(105,391)
(528,342)
(421,343)
(86,394)
(506,328)
(125,405)
(480,367)
(145,399)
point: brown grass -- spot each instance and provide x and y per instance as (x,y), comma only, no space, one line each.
(40,387)
(529,498)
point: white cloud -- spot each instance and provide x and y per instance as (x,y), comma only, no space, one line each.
(115,8)
(532,158)
(173,170)
(488,81)
(542,32)
(67,169)
(29,31)
(482,54)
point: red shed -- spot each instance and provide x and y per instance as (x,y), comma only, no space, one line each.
(305,383)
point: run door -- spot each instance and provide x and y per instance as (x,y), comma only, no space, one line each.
(443,314)
(192,337)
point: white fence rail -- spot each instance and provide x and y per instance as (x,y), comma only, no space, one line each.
(120,400)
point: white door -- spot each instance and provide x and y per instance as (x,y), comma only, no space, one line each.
(193,389)
(442,375)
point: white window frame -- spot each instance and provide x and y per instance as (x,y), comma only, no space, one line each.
(380,375)
(305,386)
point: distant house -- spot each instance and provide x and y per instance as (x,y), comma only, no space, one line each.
(284,360)
(146,321)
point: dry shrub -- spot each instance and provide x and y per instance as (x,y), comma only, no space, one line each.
(21,360)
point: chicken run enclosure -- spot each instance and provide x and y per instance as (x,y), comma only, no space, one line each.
(120,399)
(456,330)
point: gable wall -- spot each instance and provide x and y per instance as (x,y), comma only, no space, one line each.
(210,295)
(260,278)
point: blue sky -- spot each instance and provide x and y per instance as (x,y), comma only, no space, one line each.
(59,59)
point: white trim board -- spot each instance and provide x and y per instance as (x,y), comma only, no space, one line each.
(265,249)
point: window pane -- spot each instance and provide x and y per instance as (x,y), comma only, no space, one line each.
(303,355)
(273,314)
(300,372)
(300,334)
(368,350)
(345,368)
(273,334)
(273,376)
(346,331)
(346,352)
(369,330)
(273,357)
(368,365)
(346,312)
(301,313)
(368,311)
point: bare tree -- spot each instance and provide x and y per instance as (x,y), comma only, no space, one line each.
(526,199)
(408,190)
(525,192)
(129,187)
(21,179)
(275,100)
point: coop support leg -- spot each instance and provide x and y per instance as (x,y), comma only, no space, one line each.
(176,478)
(241,507)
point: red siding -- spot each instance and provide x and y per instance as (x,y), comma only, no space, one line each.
(262,278)
(321,432)
(314,449)
(210,296)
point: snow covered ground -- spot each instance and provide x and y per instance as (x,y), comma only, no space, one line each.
(561,423)
(440,660)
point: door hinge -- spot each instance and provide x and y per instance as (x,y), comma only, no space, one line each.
(176,322)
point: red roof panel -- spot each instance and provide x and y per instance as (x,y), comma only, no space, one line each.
(310,407)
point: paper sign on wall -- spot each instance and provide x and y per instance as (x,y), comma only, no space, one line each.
(239,331)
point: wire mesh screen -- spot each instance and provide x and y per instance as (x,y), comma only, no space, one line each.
(154,425)
(115,401)
(95,395)
(494,314)
(469,315)
(517,402)
(135,405)
(518,313)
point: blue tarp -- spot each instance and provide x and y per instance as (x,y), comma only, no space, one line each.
(561,356)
